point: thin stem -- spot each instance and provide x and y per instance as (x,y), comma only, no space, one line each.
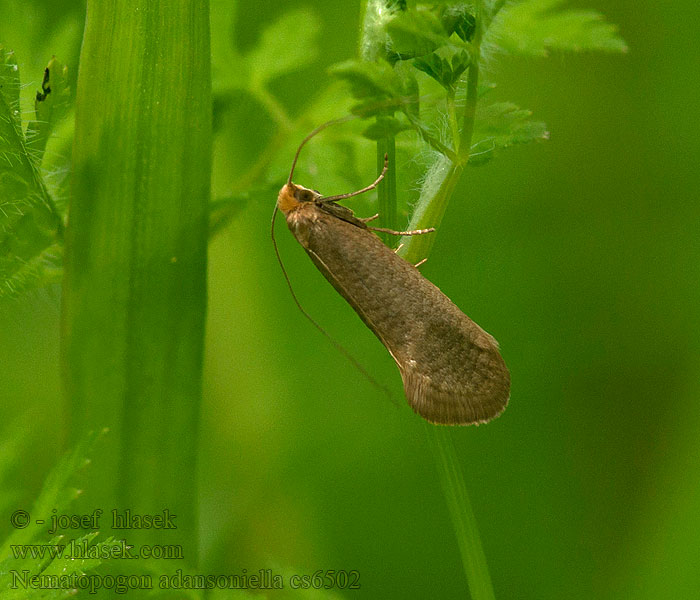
(438,188)
(452,115)
(276,110)
(465,141)
(429,139)
(459,506)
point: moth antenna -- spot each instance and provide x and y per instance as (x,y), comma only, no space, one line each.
(358,115)
(318,129)
(336,344)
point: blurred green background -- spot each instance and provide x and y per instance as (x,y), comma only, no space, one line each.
(580,255)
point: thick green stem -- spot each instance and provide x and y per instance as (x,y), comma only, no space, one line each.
(134,295)
(437,191)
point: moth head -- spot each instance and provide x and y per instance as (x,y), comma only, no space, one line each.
(291,196)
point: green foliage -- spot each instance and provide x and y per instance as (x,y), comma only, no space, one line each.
(539,26)
(384,127)
(416,32)
(380,87)
(500,126)
(56,496)
(446,65)
(287,44)
(445,43)
(30,225)
(51,104)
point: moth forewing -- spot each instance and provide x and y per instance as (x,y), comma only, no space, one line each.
(451,368)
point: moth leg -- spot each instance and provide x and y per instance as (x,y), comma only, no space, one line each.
(420,262)
(398,248)
(413,232)
(371,186)
(368,219)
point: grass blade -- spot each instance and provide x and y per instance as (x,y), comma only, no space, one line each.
(135,282)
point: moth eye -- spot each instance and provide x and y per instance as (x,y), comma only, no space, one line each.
(305,196)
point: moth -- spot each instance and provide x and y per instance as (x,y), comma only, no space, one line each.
(452,371)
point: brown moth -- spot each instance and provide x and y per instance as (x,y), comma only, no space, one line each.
(453,373)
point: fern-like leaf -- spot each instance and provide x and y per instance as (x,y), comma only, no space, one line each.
(502,125)
(536,27)
(25,555)
(29,221)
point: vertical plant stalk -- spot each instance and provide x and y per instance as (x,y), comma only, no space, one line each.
(438,188)
(373,46)
(446,172)
(460,509)
(134,296)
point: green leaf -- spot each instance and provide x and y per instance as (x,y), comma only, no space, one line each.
(288,44)
(29,222)
(385,127)
(415,33)
(9,83)
(445,65)
(380,88)
(55,497)
(51,105)
(39,270)
(502,125)
(459,19)
(536,27)
(56,493)
(134,290)
(376,80)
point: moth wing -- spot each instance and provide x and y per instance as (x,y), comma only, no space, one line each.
(458,382)
(452,371)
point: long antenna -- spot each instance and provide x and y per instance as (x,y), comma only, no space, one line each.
(359,115)
(336,344)
(318,129)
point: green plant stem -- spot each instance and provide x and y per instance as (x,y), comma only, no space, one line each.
(446,172)
(438,188)
(452,116)
(459,506)
(465,140)
(134,294)
(429,139)
(274,108)
(437,191)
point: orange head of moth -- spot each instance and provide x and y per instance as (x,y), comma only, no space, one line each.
(291,196)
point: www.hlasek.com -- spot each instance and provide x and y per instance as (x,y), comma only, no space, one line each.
(264,579)
(80,549)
